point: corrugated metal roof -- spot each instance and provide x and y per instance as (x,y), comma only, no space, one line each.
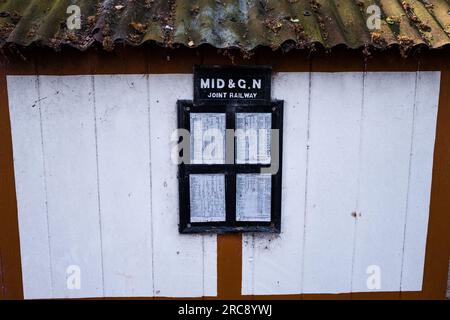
(243,24)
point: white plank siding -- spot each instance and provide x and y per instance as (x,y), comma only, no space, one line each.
(68,123)
(422,148)
(108,189)
(25,111)
(332,181)
(370,151)
(262,271)
(179,260)
(385,160)
(96,186)
(124,184)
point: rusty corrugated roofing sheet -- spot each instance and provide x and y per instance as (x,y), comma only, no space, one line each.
(243,24)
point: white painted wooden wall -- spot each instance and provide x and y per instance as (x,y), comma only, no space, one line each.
(353,143)
(96,187)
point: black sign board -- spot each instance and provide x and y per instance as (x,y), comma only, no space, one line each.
(249,85)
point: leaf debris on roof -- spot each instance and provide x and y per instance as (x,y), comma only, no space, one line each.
(226,24)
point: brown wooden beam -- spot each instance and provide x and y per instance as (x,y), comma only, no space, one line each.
(229,266)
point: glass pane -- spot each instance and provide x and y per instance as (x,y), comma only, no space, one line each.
(253,197)
(253,137)
(207,197)
(207,138)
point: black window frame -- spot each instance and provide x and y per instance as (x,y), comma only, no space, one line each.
(230,225)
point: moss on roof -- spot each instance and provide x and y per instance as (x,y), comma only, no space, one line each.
(243,24)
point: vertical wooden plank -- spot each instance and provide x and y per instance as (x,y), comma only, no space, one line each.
(72,190)
(10,265)
(336,104)
(385,158)
(179,260)
(210,265)
(122,118)
(272,264)
(248,264)
(425,113)
(230,274)
(25,109)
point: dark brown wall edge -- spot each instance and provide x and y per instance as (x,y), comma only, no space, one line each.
(153,59)
(10,264)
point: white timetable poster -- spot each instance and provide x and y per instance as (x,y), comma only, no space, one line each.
(253,197)
(207,197)
(253,138)
(207,138)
